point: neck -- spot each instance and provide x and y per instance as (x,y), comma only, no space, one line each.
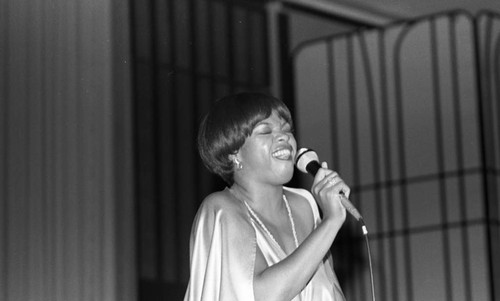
(262,198)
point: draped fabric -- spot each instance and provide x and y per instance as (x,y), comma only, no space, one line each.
(223,247)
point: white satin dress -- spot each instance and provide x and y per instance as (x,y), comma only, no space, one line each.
(223,246)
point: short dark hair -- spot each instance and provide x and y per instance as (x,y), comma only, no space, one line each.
(230,121)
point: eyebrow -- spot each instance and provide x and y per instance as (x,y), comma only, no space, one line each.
(267,122)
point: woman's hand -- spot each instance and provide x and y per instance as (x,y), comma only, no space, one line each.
(326,188)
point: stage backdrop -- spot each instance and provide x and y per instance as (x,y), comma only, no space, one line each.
(409,116)
(66,193)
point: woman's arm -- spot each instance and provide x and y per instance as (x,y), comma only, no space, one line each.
(286,279)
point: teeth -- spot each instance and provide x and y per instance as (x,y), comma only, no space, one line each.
(282,154)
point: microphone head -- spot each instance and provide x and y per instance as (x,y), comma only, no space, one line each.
(304,157)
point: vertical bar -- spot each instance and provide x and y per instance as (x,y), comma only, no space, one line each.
(40,156)
(81,141)
(285,63)
(484,134)
(460,157)
(266,80)
(211,47)
(33,217)
(4,152)
(124,172)
(59,102)
(491,190)
(70,184)
(274,48)
(495,78)
(353,108)
(387,159)
(330,50)
(440,157)
(489,86)
(154,65)
(248,57)
(173,99)
(56,255)
(230,44)
(195,94)
(49,283)
(402,157)
(99,111)
(135,138)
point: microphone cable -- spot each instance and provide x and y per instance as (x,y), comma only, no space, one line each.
(365,234)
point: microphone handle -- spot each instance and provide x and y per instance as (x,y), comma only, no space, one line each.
(350,207)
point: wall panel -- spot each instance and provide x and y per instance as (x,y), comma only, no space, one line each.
(413,128)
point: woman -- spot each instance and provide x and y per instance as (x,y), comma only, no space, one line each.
(257,239)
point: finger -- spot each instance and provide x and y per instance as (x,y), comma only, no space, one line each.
(346,191)
(322,183)
(342,188)
(329,185)
(330,179)
(321,175)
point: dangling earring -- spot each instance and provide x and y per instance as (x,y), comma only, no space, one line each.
(238,164)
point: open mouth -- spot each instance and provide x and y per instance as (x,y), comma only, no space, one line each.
(283,154)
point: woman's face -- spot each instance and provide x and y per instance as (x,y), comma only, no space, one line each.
(268,154)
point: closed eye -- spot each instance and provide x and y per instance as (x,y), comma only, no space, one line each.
(263,130)
(287,128)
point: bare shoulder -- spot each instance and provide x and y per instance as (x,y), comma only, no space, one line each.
(223,202)
(218,198)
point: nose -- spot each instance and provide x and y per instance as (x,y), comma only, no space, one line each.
(283,136)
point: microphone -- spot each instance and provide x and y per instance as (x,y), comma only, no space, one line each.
(307,161)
